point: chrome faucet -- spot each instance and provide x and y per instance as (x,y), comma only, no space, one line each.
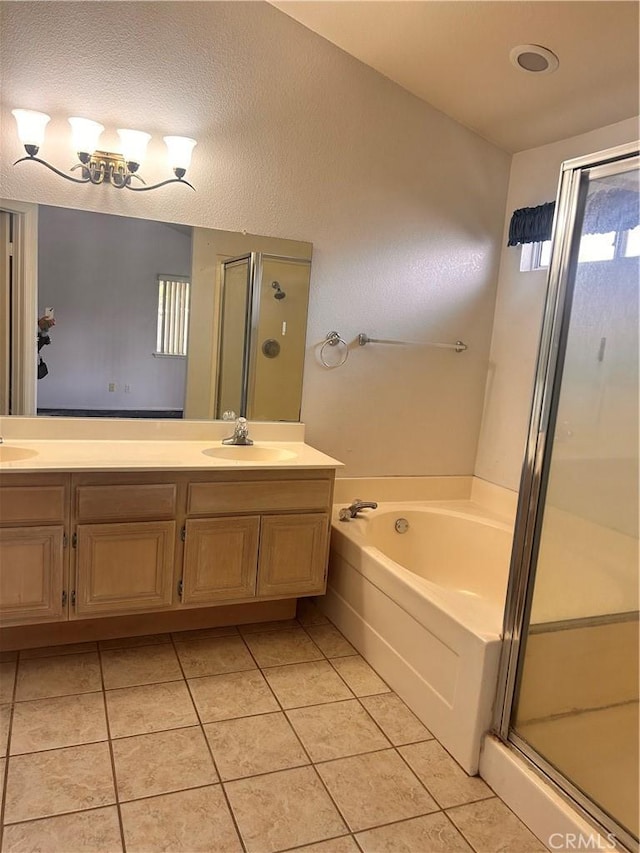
(352,511)
(240,434)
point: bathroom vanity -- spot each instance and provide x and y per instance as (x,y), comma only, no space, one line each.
(106,538)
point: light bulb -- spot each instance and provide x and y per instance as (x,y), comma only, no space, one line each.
(134,146)
(179,148)
(31,127)
(85,134)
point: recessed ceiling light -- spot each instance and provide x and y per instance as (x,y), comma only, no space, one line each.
(534,59)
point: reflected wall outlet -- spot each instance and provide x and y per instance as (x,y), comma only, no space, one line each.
(112,386)
(127,389)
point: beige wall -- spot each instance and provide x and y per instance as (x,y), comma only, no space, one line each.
(296,139)
(519,307)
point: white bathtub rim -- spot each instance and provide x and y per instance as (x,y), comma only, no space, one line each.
(466,509)
(424,600)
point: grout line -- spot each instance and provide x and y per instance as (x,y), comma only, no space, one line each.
(5,773)
(260,774)
(459,831)
(111,755)
(313,765)
(65,746)
(305,751)
(462,832)
(493,796)
(57,696)
(313,843)
(27,658)
(61,814)
(208,745)
(391,745)
(134,686)
(261,669)
(396,747)
(173,791)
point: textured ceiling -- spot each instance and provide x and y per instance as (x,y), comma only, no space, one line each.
(454,54)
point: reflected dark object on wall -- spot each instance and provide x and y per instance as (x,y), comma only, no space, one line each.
(44,324)
(43,341)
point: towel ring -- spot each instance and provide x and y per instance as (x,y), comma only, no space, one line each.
(332,340)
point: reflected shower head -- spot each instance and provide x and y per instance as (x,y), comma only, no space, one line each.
(279,292)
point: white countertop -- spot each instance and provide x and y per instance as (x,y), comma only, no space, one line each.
(92,444)
(92,455)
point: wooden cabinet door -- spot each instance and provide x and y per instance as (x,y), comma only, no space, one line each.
(220,559)
(293,554)
(123,568)
(32,575)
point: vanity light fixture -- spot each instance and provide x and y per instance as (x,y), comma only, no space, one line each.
(103,167)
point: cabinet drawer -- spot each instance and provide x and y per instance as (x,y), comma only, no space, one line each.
(120,503)
(258,496)
(32,504)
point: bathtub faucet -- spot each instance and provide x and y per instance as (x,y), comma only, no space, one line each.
(352,511)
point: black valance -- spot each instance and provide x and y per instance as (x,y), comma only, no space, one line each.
(612,209)
(531,224)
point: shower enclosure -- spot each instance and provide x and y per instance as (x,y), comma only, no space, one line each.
(262,338)
(570,668)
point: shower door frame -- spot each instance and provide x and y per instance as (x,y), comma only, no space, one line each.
(535,469)
(252,259)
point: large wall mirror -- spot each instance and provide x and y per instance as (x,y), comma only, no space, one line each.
(137,318)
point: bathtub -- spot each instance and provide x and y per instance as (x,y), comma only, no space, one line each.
(425,608)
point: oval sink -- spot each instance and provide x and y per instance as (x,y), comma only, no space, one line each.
(250,453)
(12,454)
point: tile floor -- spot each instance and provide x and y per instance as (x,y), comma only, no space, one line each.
(261,738)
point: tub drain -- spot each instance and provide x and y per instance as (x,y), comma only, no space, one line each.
(401,525)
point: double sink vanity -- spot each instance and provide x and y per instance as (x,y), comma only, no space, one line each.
(110,528)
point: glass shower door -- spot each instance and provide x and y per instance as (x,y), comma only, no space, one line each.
(575,708)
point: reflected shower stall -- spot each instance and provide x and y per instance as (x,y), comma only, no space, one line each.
(570,670)
(262,336)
